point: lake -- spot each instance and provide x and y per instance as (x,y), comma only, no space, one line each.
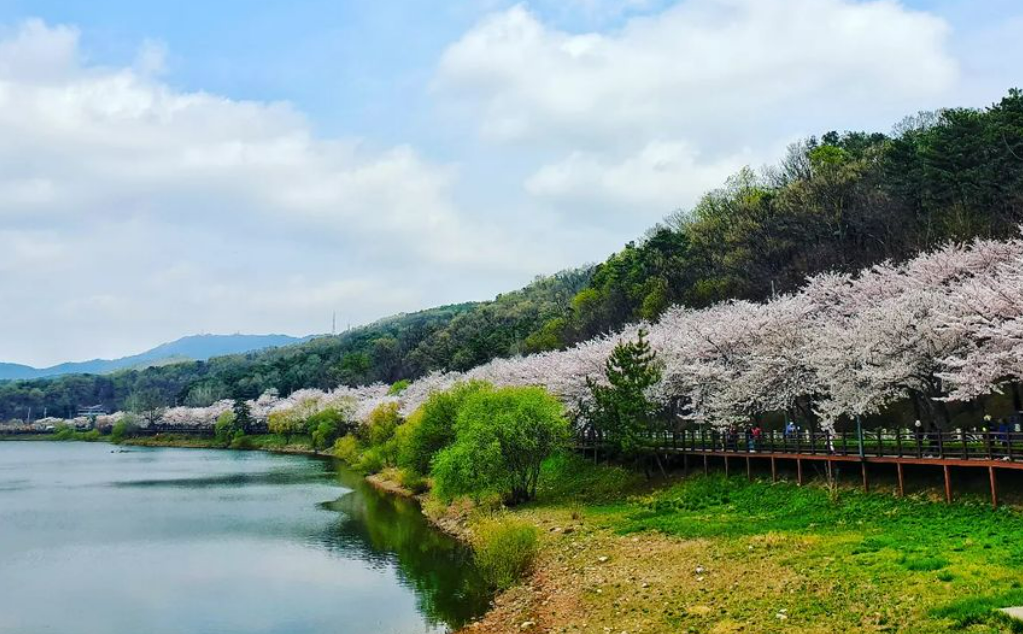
(97,539)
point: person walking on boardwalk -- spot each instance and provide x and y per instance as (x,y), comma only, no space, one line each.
(1003,433)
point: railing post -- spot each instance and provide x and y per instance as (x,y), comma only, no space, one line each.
(898,442)
(880,444)
(859,436)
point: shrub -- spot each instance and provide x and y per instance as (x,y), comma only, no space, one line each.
(347,448)
(398,387)
(370,461)
(413,481)
(501,439)
(241,441)
(432,427)
(64,432)
(124,428)
(504,549)
(326,426)
(379,434)
(224,428)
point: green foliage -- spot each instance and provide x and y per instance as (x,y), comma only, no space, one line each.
(67,433)
(377,435)
(398,387)
(242,416)
(347,449)
(504,549)
(224,428)
(502,436)
(432,427)
(568,477)
(413,481)
(326,426)
(122,429)
(622,415)
(371,460)
(983,610)
(241,441)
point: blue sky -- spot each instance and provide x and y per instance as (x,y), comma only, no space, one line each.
(254,166)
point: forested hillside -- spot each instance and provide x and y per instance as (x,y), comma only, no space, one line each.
(841,201)
(835,202)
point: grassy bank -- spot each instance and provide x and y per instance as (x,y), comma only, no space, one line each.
(712,554)
(264,442)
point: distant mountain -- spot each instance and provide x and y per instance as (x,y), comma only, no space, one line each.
(195,347)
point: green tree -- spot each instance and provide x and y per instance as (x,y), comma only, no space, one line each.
(432,427)
(622,414)
(224,429)
(242,416)
(502,437)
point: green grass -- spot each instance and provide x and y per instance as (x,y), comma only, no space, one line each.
(504,549)
(273,442)
(942,567)
(983,611)
(572,478)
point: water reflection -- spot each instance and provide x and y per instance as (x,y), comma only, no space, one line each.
(387,529)
(169,541)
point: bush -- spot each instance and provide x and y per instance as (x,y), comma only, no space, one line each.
(64,432)
(379,434)
(241,441)
(224,428)
(347,449)
(504,549)
(326,426)
(413,481)
(370,461)
(432,427)
(124,428)
(501,439)
(398,387)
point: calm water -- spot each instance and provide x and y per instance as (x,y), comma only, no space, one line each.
(186,541)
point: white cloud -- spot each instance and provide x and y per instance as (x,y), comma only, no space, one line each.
(660,177)
(633,123)
(701,70)
(141,211)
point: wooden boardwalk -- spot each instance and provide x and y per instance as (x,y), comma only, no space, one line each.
(991,450)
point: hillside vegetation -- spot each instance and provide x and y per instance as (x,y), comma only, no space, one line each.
(841,201)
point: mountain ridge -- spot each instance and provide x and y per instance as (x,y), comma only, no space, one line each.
(188,348)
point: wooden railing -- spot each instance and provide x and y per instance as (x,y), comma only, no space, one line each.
(877,443)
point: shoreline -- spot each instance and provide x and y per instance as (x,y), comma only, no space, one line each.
(727,555)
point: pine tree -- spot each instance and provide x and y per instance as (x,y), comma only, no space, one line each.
(242,416)
(622,414)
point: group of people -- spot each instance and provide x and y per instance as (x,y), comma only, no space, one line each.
(750,435)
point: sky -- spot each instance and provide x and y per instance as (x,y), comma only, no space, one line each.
(172,168)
